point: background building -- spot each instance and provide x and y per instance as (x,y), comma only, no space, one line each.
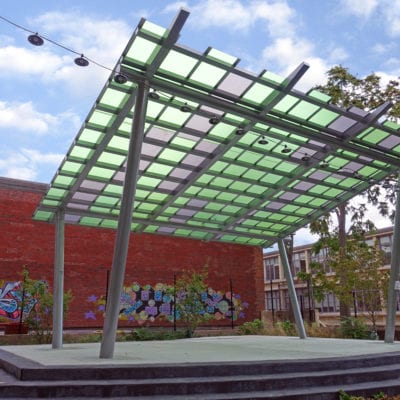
(326,311)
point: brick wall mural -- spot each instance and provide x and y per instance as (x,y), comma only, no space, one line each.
(148,304)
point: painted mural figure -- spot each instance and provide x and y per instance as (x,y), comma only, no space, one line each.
(146,303)
(11,301)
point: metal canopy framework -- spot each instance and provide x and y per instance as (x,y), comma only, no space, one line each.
(227,155)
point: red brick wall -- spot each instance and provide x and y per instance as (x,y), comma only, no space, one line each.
(88,255)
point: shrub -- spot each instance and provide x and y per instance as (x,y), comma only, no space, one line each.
(354,328)
(255,327)
(289,328)
(39,317)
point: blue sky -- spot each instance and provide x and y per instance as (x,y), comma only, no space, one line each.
(44,97)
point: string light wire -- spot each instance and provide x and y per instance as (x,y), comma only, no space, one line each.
(47,39)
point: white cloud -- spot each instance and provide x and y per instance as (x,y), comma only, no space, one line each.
(26,163)
(391,12)
(240,16)
(278,15)
(381,48)
(304,236)
(337,55)
(25,118)
(359,8)
(17,61)
(174,7)
(387,11)
(287,53)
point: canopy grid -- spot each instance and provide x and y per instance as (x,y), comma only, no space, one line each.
(227,155)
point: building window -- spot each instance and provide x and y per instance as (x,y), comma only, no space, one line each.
(271,266)
(320,258)
(366,301)
(299,262)
(385,244)
(304,299)
(273,300)
(328,305)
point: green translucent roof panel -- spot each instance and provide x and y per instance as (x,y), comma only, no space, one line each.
(227,155)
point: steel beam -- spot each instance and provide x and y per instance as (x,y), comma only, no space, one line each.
(292,291)
(124,225)
(394,276)
(58,285)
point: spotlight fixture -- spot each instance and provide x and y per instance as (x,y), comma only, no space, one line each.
(213,120)
(263,140)
(324,164)
(305,158)
(81,61)
(185,108)
(154,95)
(285,149)
(35,39)
(240,131)
(121,79)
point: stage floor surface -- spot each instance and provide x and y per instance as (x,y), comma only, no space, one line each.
(202,350)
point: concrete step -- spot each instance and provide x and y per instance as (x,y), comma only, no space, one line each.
(29,371)
(208,387)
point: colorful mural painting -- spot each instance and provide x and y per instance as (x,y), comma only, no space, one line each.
(147,303)
(11,299)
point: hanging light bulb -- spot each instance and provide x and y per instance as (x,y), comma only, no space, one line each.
(305,158)
(213,120)
(121,79)
(324,164)
(185,108)
(285,149)
(81,61)
(35,39)
(263,141)
(154,95)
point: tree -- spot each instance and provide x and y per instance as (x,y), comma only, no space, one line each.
(187,293)
(37,306)
(347,90)
(361,265)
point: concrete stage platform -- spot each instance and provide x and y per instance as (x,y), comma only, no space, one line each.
(204,349)
(224,367)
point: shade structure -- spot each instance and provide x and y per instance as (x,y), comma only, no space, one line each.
(227,155)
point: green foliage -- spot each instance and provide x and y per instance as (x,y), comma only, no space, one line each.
(288,327)
(188,304)
(40,317)
(354,328)
(344,396)
(378,396)
(255,327)
(357,271)
(347,90)
(144,334)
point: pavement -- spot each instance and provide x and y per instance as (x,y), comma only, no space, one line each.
(203,349)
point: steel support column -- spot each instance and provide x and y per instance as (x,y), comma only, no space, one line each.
(292,291)
(124,225)
(394,276)
(58,285)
